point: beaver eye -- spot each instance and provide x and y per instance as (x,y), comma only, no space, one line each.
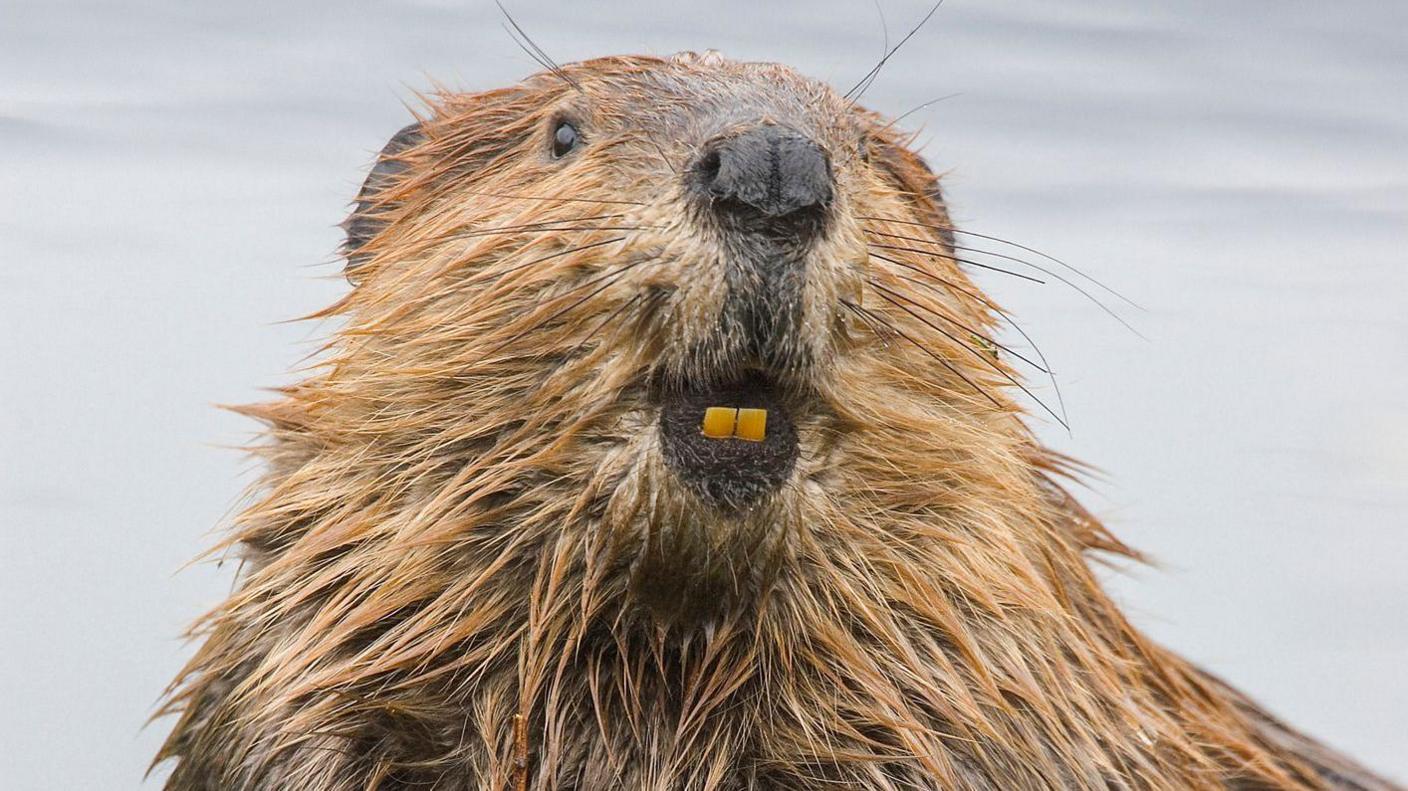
(564,139)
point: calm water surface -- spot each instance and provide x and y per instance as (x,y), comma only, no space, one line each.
(173,175)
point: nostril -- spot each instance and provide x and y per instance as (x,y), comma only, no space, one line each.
(709,167)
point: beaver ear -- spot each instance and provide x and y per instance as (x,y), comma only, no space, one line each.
(373,202)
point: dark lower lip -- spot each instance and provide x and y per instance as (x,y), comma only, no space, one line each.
(731,474)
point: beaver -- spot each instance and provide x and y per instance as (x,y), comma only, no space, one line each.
(664,443)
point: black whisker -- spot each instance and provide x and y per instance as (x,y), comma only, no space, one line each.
(541,57)
(545,226)
(1060,399)
(542,227)
(935,254)
(941,254)
(1018,246)
(945,363)
(853,95)
(870,322)
(526,49)
(663,158)
(1044,270)
(610,277)
(1054,260)
(550,256)
(976,334)
(891,296)
(916,109)
(562,198)
(538,223)
(884,29)
(600,325)
(1045,366)
(558,228)
(493,231)
(1047,271)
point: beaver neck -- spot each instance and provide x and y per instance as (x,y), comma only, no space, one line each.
(869,674)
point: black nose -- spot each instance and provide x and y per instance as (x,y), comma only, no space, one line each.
(767,173)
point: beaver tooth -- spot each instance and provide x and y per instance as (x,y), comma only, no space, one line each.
(752,425)
(718,422)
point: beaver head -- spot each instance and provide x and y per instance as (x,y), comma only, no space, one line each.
(663,445)
(558,281)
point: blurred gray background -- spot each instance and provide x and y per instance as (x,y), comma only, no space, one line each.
(171,175)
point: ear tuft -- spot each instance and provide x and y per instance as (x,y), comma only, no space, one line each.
(368,216)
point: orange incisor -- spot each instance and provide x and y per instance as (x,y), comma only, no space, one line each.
(752,425)
(722,422)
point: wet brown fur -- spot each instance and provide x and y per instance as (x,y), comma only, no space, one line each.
(467,566)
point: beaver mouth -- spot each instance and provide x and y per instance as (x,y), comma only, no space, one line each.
(730,444)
